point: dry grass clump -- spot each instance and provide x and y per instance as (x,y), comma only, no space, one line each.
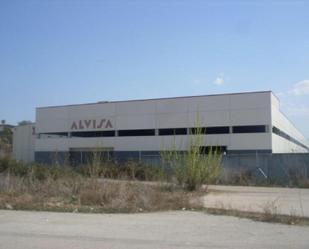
(262,217)
(133,197)
(90,195)
(87,189)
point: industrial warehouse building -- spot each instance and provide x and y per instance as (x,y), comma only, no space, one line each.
(238,123)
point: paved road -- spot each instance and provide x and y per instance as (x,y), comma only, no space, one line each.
(281,200)
(167,230)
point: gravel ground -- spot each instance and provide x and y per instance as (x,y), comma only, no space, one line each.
(290,201)
(164,230)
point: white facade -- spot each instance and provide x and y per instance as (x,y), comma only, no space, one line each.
(238,123)
(279,143)
(24,142)
(57,125)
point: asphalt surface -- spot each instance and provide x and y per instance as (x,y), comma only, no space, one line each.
(289,201)
(166,230)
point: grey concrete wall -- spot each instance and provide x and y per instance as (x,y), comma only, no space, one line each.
(24,142)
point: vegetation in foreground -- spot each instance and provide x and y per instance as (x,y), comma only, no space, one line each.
(198,166)
(86,189)
(65,189)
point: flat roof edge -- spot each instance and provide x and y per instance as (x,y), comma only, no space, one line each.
(163,98)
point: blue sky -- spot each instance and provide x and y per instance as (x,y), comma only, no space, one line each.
(64,52)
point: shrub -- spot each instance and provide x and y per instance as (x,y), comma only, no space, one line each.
(13,167)
(194,168)
(129,170)
(4,164)
(39,172)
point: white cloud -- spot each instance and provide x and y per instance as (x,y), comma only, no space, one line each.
(219,81)
(300,88)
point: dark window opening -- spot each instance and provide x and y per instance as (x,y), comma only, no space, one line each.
(286,136)
(54,134)
(133,133)
(212,149)
(210,130)
(93,134)
(218,130)
(198,130)
(276,130)
(173,131)
(249,129)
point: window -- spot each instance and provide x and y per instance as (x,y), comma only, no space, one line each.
(198,130)
(79,156)
(218,130)
(93,134)
(210,130)
(136,133)
(173,131)
(286,136)
(53,135)
(249,129)
(217,149)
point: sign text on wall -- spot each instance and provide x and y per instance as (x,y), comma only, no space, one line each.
(91,124)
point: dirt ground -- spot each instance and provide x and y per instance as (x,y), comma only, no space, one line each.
(289,201)
(164,230)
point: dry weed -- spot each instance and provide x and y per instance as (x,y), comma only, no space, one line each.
(90,194)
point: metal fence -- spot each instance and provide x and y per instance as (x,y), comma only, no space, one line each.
(261,167)
(276,168)
(283,169)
